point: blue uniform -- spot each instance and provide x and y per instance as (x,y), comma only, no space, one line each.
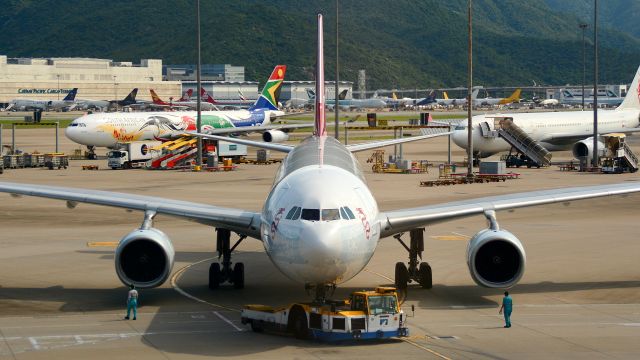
(132,304)
(507,304)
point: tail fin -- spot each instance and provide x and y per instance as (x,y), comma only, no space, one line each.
(430,99)
(132,95)
(241,95)
(71,95)
(186,96)
(156,99)
(311,94)
(474,94)
(393,96)
(632,100)
(271,92)
(446,96)
(320,123)
(343,94)
(206,97)
(515,97)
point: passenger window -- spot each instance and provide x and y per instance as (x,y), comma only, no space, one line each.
(311,214)
(330,214)
(291,213)
(349,212)
(344,214)
(296,216)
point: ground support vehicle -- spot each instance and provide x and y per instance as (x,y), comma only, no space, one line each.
(372,314)
(133,154)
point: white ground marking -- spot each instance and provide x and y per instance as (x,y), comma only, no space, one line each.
(227,321)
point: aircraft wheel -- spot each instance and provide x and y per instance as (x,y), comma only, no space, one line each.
(424,273)
(402,276)
(238,276)
(215,276)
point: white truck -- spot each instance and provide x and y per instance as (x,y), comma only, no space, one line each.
(132,154)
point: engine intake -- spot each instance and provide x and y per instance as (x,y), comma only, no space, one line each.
(144,258)
(496,258)
(275,136)
(584,148)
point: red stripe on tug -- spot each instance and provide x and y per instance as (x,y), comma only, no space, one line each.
(320,125)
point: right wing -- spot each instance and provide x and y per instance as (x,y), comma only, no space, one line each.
(241,221)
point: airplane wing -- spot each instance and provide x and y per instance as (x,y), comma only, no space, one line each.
(258,144)
(246,129)
(396,221)
(241,221)
(563,138)
(383,143)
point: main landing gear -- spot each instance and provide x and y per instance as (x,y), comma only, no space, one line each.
(91,152)
(220,273)
(419,272)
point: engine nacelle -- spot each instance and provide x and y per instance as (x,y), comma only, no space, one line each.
(496,258)
(584,148)
(144,258)
(275,136)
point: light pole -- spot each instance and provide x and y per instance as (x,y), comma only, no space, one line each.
(58,76)
(336,107)
(115,88)
(469,105)
(198,80)
(595,83)
(584,61)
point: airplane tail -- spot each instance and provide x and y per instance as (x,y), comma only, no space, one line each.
(186,96)
(343,94)
(132,95)
(206,97)
(515,97)
(430,99)
(71,96)
(311,94)
(475,93)
(632,100)
(241,95)
(393,96)
(156,99)
(446,97)
(271,92)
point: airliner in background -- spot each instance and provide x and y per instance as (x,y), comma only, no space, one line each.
(513,98)
(320,224)
(110,130)
(179,104)
(557,131)
(27,104)
(241,102)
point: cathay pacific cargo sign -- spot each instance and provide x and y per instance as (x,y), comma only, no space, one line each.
(44,91)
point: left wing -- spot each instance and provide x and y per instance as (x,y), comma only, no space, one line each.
(241,221)
(247,129)
(383,143)
(396,221)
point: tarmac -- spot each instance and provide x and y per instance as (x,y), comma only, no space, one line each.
(60,297)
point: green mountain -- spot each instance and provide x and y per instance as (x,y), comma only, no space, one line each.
(399,43)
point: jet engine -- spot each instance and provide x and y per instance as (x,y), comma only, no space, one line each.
(496,258)
(275,136)
(584,148)
(144,258)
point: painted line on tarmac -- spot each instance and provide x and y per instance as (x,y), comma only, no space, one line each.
(178,274)
(227,321)
(103,244)
(433,352)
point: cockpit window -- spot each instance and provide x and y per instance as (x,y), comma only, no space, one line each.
(296,216)
(311,214)
(349,213)
(330,214)
(344,214)
(291,212)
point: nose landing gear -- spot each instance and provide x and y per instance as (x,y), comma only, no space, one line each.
(223,272)
(417,271)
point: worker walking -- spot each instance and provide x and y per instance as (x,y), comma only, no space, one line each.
(507,307)
(132,302)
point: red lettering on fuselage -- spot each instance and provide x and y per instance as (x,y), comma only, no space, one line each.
(365,222)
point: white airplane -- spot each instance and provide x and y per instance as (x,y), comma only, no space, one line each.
(110,130)
(605,97)
(320,224)
(446,101)
(557,131)
(28,104)
(514,97)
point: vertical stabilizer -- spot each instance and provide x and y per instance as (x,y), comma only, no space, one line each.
(132,95)
(71,96)
(320,125)
(156,99)
(632,100)
(270,95)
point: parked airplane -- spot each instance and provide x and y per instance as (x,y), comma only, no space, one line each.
(320,224)
(605,97)
(557,131)
(28,104)
(350,104)
(240,103)
(513,98)
(112,129)
(446,101)
(179,104)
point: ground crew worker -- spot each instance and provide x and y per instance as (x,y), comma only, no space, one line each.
(507,307)
(132,302)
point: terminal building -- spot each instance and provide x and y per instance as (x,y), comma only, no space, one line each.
(97,79)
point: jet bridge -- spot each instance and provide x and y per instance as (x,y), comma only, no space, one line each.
(504,127)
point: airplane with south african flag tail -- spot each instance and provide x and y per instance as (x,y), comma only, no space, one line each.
(111,130)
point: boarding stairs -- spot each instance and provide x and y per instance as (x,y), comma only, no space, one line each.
(175,153)
(518,139)
(632,160)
